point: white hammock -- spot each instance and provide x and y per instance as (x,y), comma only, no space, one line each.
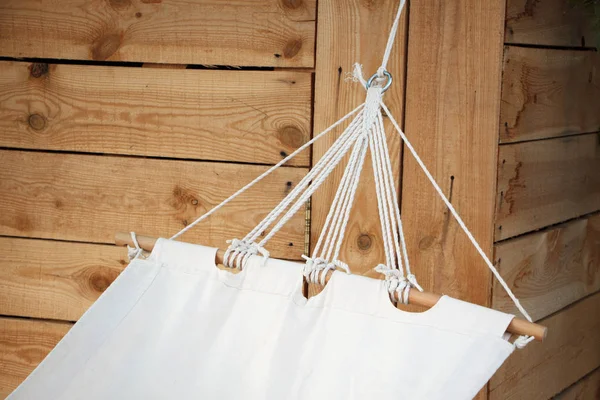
(174,326)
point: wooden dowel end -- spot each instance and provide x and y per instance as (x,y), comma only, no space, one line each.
(517,326)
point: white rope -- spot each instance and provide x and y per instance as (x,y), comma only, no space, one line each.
(240,251)
(266,173)
(354,167)
(382,207)
(335,209)
(396,206)
(316,268)
(390,41)
(349,134)
(136,251)
(524,339)
(381,184)
(396,282)
(352,193)
(309,192)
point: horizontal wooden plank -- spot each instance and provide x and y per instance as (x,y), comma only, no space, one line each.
(587,388)
(89,198)
(542,370)
(549,93)
(55,280)
(218,32)
(551,269)
(550,23)
(246,116)
(23,345)
(545,182)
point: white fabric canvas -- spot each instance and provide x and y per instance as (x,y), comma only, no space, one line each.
(174,326)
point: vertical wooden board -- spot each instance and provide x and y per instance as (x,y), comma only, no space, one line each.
(23,345)
(89,198)
(551,269)
(244,116)
(587,388)
(545,182)
(452,108)
(352,31)
(549,23)
(220,32)
(548,93)
(55,280)
(570,351)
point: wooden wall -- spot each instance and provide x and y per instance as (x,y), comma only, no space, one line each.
(137,116)
(134,115)
(547,229)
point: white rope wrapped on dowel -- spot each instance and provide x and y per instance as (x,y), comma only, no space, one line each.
(425,299)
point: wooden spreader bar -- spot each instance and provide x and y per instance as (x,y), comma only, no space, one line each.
(517,326)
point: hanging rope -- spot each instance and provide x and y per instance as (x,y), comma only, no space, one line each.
(522,341)
(266,173)
(364,132)
(390,42)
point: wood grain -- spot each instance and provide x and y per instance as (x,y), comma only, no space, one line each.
(55,280)
(542,370)
(545,182)
(549,23)
(452,107)
(244,116)
(551,269)
(23,345)
(89,198)
(587,388)
(353,31)
(548,93)
(218,32)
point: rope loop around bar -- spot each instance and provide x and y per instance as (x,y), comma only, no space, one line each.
(397,283)
(134,252)
(239,251)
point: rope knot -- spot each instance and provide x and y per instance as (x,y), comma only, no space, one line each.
(358,75)
(413,282)
(134,252)
(316,269)
(239,251)
(523,341)
(396,282)
(255,248)
(342,265)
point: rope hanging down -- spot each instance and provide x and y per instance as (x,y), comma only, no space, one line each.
(364,132)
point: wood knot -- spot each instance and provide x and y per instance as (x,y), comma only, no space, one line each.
(119,4)
(292,48)
(106,46)
(369,4)
(364,242)
(291,137)
(291,4)
(37,70)
(426,242)
(99,282)
(37,122)
(30,354)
